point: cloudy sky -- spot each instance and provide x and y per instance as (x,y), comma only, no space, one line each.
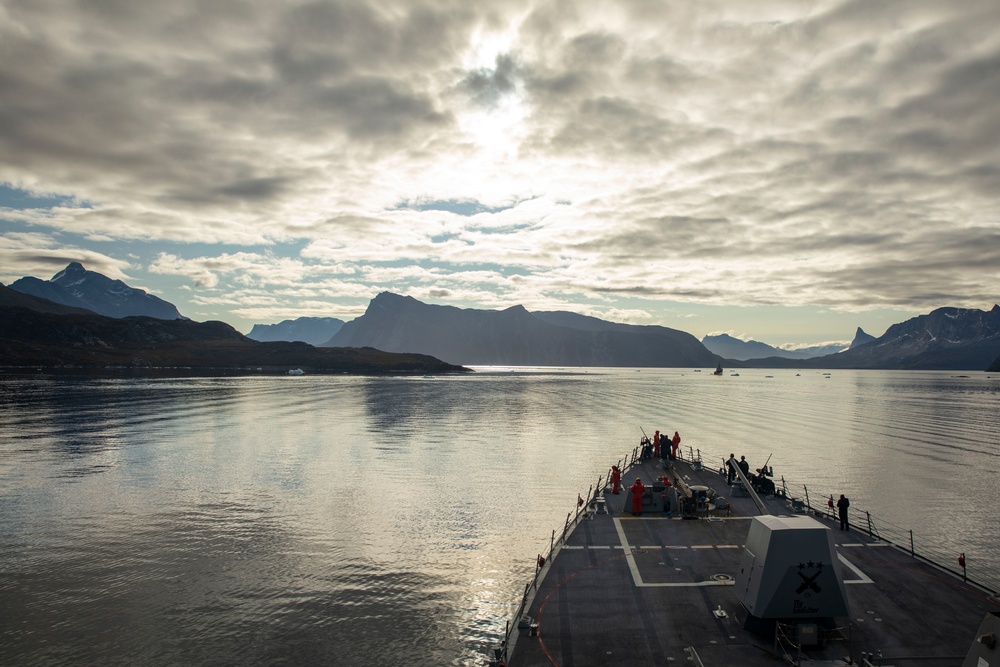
(786,171)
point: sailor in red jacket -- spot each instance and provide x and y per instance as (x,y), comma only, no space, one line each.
(676,442)
(637,490)
(616,479)
(656,444)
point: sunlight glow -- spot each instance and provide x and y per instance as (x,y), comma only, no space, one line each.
(496,127)
(499,130)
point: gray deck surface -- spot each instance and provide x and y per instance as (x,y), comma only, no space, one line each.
(627,590)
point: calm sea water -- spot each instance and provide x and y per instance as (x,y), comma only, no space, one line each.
(388,521)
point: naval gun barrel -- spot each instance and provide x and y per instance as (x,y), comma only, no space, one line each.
(748,486)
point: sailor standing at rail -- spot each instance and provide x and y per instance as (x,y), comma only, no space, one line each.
(731,469)
(616,479)
(675,443)
(842,506)
(637,490)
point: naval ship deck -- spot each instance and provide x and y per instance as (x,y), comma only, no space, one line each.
(648,590)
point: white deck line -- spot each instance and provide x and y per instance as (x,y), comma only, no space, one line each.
(862,577)
(637,578)
(628,551)
(639,583)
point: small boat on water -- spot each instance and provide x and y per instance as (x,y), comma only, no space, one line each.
(711,573)
(718,370)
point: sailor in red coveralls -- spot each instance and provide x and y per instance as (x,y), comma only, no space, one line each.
(676,441)
(616,479)
(637,490)
(656,444)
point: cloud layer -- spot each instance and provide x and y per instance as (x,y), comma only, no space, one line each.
(288,158)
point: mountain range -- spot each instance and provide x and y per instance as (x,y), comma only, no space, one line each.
(54,320)
(516,337)
(944,339)
(312,330)
(37,333)
(728,347)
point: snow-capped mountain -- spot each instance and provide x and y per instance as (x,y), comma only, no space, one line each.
(76,286)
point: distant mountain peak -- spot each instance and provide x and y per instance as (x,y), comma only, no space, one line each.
(392,296)
(861,338)
(77,287)
(73,271)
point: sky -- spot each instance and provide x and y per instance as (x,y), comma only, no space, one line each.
(782,171)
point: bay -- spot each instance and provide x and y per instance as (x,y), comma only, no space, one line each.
(385,521)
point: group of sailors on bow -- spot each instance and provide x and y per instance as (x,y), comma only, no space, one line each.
(660,446)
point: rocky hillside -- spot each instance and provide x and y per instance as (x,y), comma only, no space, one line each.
(944,339)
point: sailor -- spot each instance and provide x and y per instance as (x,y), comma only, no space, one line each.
(616,479)
(744,466)
(842,506)
(637,490)
(731,469)
(656,444)
(675,442)
(761,483)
